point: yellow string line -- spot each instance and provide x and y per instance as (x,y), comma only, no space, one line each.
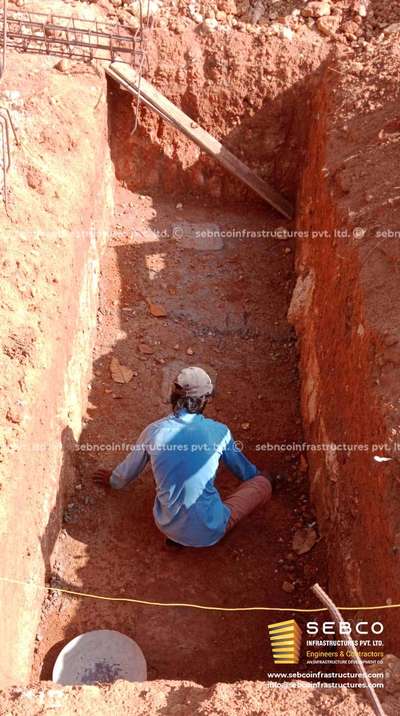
(190,606)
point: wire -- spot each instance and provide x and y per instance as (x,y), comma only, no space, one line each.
(204,607)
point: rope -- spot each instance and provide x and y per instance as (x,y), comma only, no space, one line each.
(145,602)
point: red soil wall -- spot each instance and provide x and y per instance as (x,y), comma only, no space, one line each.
(345,309)
(48,303)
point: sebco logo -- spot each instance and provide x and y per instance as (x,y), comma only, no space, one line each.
(344,628)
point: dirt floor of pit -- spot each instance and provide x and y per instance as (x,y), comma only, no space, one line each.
(226,310)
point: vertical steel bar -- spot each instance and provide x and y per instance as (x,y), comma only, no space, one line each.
(3,120)
(3,60)
(4,168)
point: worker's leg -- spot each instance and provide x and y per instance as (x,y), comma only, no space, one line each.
(251,494)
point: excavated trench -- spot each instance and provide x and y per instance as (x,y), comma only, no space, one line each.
(225,287)
(188,238)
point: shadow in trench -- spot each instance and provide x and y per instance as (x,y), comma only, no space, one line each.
(66,481)
(271,140)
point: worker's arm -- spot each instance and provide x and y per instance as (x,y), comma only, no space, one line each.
(238,463)
(128,470)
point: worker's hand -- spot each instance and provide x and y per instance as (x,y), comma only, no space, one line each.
(102,477)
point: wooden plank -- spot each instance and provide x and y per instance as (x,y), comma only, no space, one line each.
(130,80)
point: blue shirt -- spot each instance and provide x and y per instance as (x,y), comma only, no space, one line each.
(184,451)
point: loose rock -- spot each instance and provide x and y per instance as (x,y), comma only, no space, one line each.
(316,9)
(209,25)
(288,587)
(328,25)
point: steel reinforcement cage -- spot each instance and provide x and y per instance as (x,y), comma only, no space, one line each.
(73,37)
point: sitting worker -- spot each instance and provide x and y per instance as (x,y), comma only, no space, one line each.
(184,450)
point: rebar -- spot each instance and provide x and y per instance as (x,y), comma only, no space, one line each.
(3,59)
(5,116)
(63,36)
(5,123)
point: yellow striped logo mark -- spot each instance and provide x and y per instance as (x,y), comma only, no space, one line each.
(285,638)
